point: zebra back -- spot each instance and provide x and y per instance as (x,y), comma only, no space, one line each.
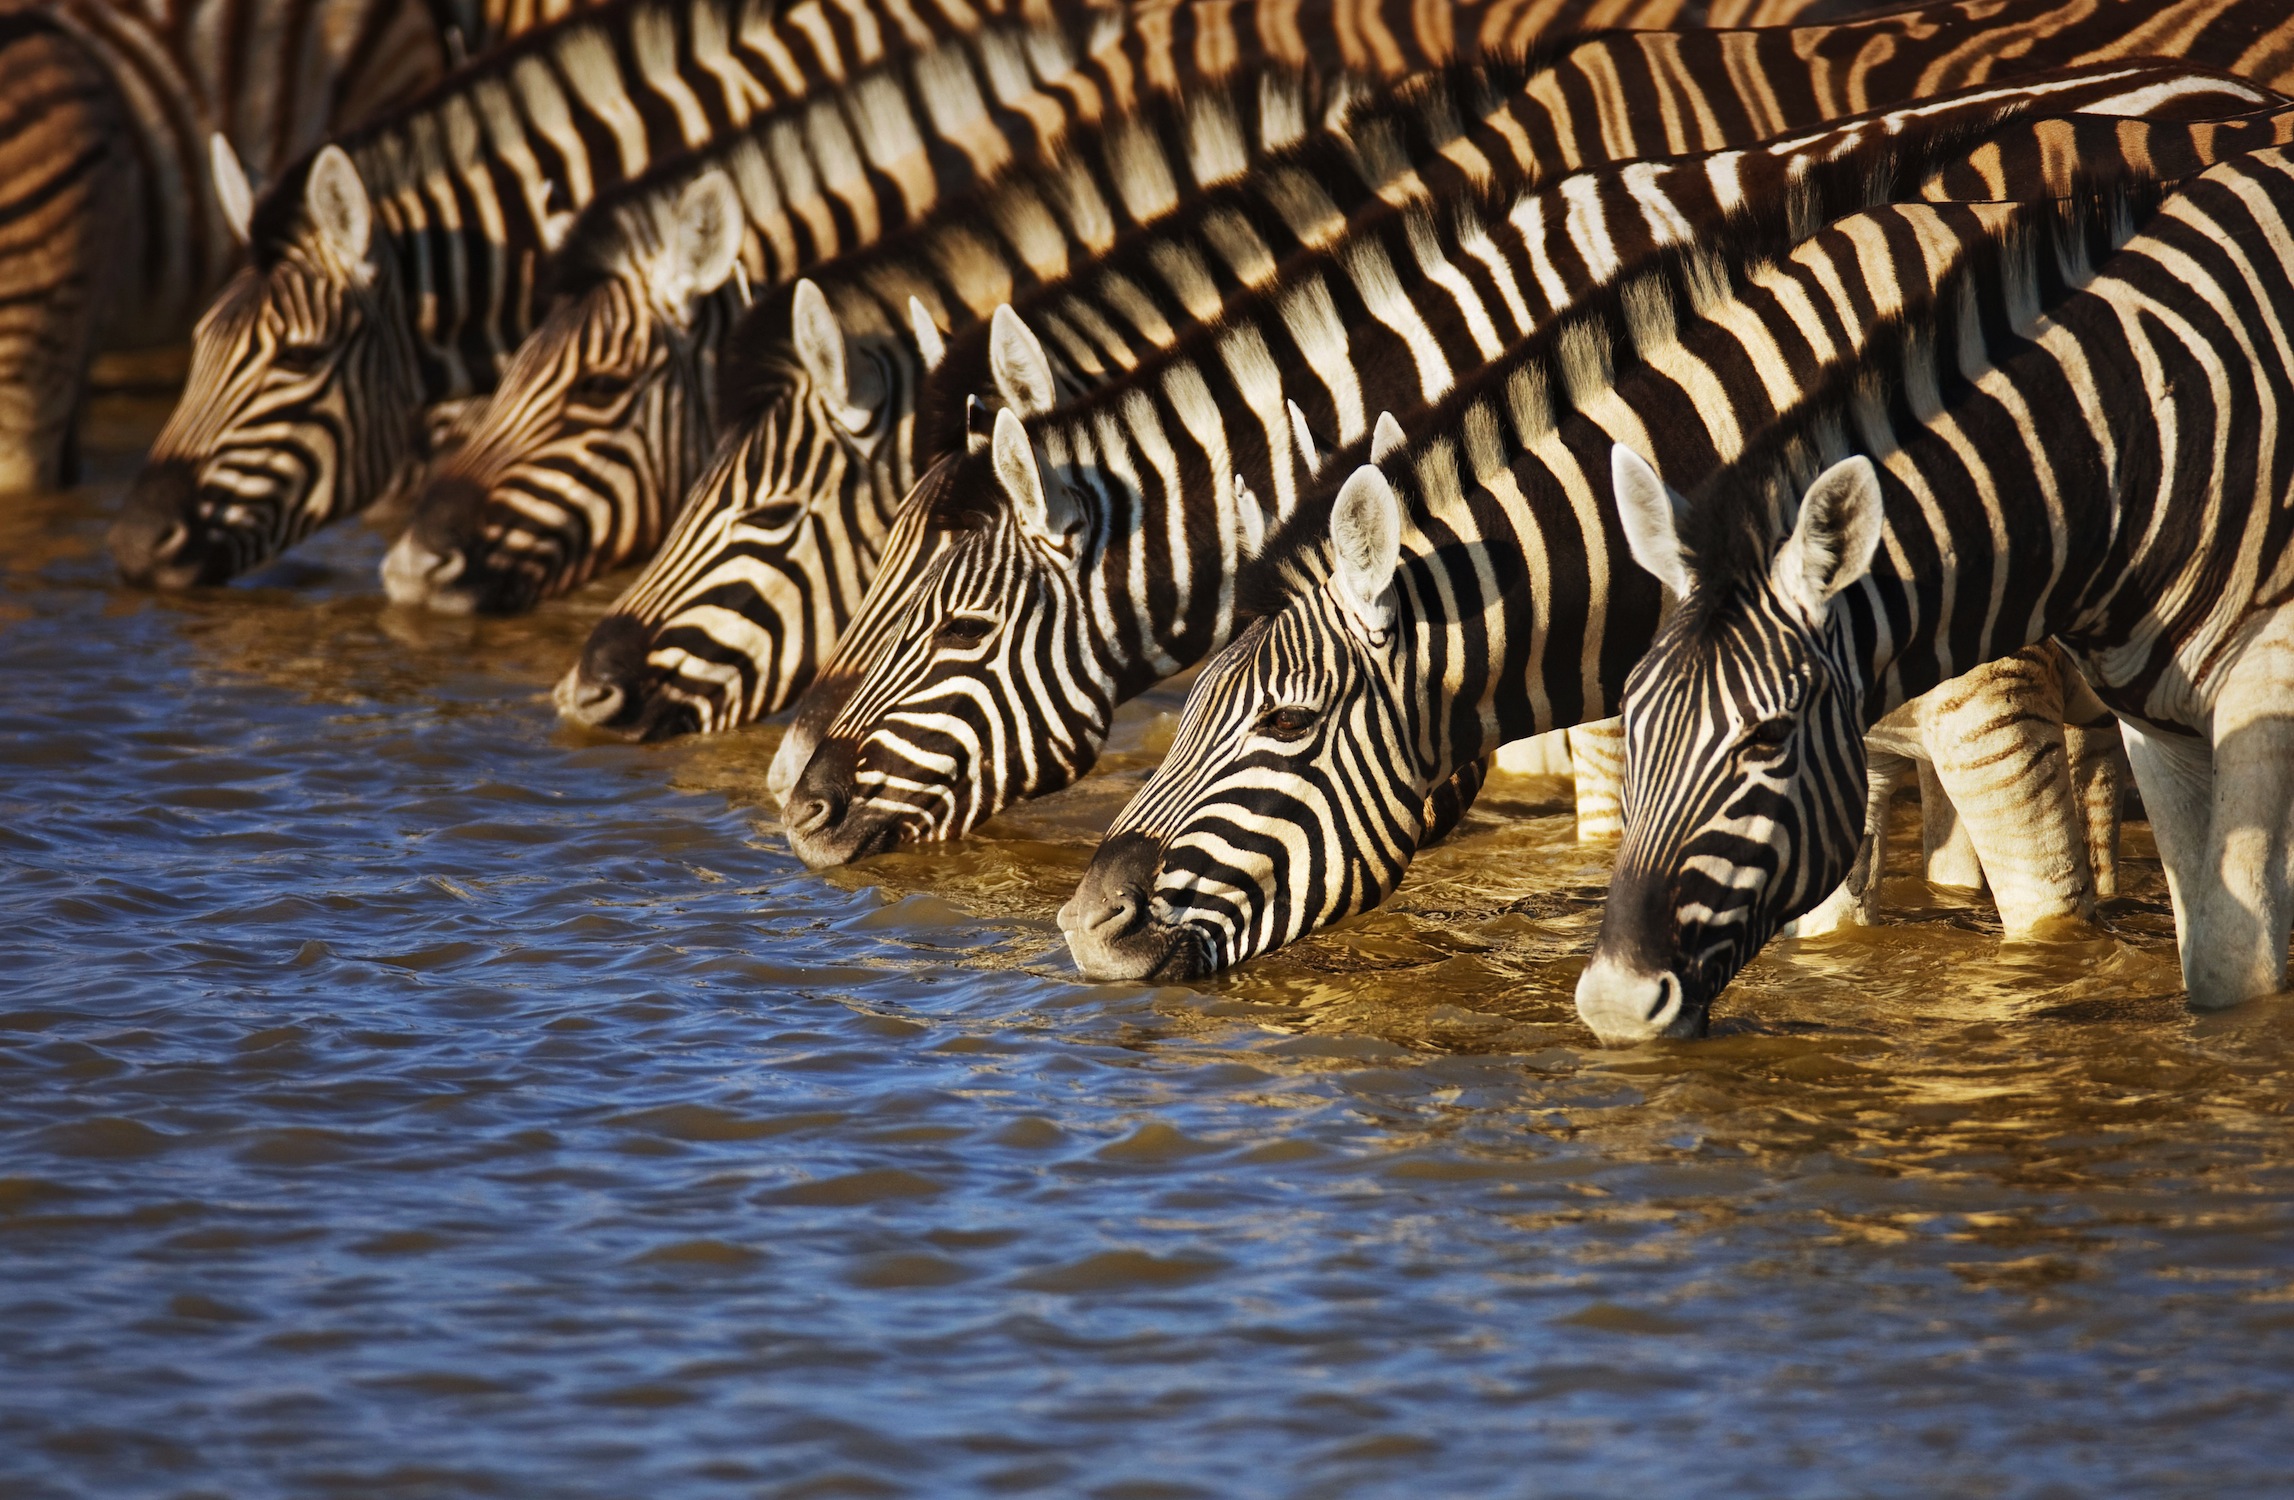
(1506,607)
(2103,467)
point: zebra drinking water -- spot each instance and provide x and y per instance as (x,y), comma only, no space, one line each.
(2109,470)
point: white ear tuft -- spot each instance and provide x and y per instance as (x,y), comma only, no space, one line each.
(1304,439)
(741,279)
(231,190)
(929,344)
(1016,360)
(1651,514)
(1832,542)
(335,200)
(1385,437)
(820,343)
(1042,513)
(1366,539)
(706,244)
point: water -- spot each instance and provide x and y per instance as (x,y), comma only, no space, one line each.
(401,1095)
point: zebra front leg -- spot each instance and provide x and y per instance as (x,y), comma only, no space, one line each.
(2233,908)
(2098,773)
(1597,757)
(1856,901)
(1947,854)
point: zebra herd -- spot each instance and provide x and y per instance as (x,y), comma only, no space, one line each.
(1837,393)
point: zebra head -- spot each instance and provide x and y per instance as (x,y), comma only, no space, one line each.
(983,683)
(776,544)
(1744,749)
(600,419)
(1294,792)
(305,396)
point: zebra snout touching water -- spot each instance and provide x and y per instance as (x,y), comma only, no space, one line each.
(2108,470)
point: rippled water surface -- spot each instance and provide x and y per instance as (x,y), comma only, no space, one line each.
(403,1095)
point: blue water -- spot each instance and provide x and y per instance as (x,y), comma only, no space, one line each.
(401,1095)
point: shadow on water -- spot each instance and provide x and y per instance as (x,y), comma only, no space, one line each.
(401,1094)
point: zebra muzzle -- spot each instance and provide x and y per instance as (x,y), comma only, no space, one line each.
(158,541)
(1110,921)
(1623,1004)
(827,824)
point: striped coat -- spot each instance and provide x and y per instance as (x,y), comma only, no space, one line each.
(1156,490)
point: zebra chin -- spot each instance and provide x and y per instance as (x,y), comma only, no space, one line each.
(1623,1003)
(1111,926)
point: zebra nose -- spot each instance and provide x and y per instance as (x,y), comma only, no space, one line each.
(434,552)
(817,803)
(1110,924)
(152,542)
(1623,1004)
(608,682)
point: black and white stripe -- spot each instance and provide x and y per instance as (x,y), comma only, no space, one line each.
(1098,545)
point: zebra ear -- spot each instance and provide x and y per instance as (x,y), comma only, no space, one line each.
(1385,437)
(705,244)
(1042,514)
(929,344)
(231,190)
(1366,538)
(1016,360)
(1652,516)
(335,201)
(1832,543)
(822,349)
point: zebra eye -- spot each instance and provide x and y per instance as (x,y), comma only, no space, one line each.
(1287,723)
(958,631)
(1769,733)
(298,359)
(597,388)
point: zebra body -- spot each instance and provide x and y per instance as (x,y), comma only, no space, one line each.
(699,649)
(1492,609)
(551,484)
(395,268)
(2110,470)
(1100,542)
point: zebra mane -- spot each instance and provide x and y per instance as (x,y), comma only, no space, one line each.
(278,217)
(1394,128)
(759,361)
(1520,397)
(1913,363)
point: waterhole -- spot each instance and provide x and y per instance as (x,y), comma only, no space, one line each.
(402,1094)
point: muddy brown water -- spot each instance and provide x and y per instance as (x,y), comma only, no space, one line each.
(403,1095)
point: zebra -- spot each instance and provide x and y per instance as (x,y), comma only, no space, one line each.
(393,269)
(1100,541)
(1294,791)
(694,646)
(544,490)
(2107,469)
(112,231)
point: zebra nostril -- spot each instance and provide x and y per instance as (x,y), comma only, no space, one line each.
(170,542)
(808,814)
(1668,995)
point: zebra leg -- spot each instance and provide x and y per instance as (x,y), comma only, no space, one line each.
(1947,854)
(2232,908)
(2098,760)
(1995,738)
(1856,903)
(1597,756)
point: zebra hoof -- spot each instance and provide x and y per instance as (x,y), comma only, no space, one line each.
(1623,1005)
